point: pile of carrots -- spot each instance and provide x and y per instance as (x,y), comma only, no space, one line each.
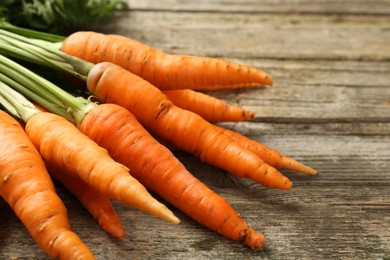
(109,150)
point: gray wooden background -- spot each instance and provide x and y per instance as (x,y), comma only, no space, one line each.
(329,108)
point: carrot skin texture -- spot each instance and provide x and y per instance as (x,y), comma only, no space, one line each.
(98,205)
(163,70)
(184,129)
(63,145)
(159,170)
(208,107)
(27,187)
(269,155)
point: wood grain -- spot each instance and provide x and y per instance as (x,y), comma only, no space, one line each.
(377,7)
(329,108)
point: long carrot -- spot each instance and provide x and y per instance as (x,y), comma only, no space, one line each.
(269,155)
(210,108)
(28,189)
(163,70)
(156,167)
(184,129)
(97,204)
(63,145)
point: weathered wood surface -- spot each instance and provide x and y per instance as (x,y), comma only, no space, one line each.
(329,108)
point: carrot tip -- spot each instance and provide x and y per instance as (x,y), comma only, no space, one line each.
(174,220)
(254,240)
(291,164)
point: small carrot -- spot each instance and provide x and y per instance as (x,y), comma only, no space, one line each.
(163,70)
(184,129)
(210,108)
(26,186)
(63,145)
(99,206)
(269,155)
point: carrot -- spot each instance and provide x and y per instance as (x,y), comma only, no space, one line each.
(269,155)
(26,186)
(63,145)
(184,129)
(208,107)
(98,205)
(159,170)
(163,70)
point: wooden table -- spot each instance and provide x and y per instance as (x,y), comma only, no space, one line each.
(329,108)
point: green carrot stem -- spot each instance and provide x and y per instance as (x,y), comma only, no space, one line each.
(33,96)
(16,103)
(31,33)
(44,53)
(77,107)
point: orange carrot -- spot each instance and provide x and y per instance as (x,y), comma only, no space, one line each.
(210,108)
(184,129)
(26,186)
(159,170)
(98,205)
(269,155)
(62,144)
(163,70)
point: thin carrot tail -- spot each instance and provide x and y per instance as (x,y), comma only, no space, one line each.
(98,205)
(291,164)
(269,155)
(62,144)
(210,108)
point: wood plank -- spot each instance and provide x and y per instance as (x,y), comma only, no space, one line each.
(259,36)
(377,7)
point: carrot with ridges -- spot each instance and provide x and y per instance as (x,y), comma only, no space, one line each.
(210,108)
(26,185)
(163,70)
(163,173)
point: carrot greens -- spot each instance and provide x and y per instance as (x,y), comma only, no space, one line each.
(58,16)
